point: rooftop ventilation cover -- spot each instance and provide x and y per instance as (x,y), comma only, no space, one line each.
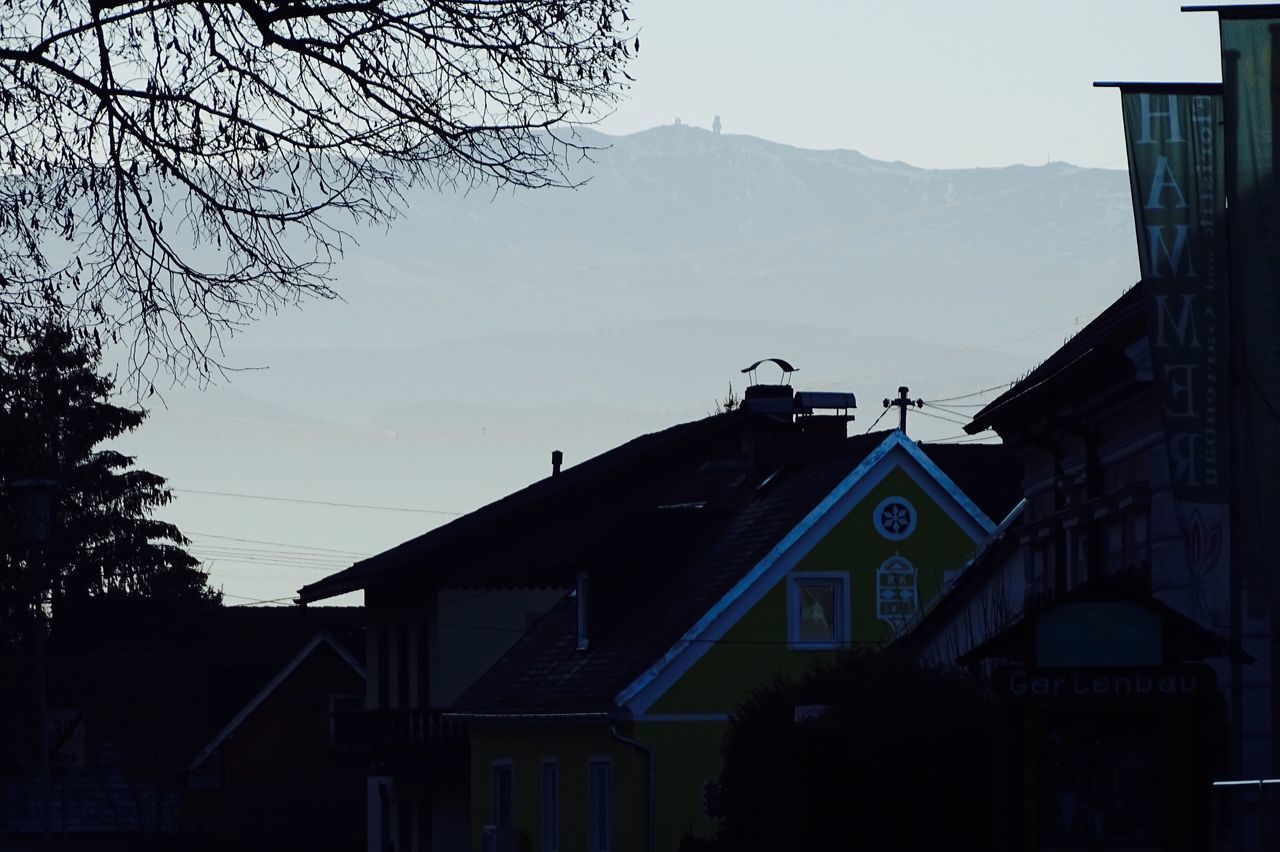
(770,398)
(781,398)
(786,368)
(826,400)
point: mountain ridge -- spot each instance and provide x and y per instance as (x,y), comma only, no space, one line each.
(479,331)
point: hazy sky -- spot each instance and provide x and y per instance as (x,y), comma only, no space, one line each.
(936,84)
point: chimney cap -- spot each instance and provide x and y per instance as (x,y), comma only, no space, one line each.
(782,365)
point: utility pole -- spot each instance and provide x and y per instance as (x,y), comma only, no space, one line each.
(33,503)
(903,403)
(42,714)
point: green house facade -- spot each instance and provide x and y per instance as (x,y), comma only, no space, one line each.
(601,729)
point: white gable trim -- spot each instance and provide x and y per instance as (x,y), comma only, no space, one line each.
(895,451)
(281,676)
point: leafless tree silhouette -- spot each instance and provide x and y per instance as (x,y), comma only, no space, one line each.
(171,169)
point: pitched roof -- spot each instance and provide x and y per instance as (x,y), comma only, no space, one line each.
(320,639)
(638,617)
(1104,337)
(1184,638)
(537,536)
(172,686)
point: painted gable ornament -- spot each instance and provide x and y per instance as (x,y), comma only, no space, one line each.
(897,592)
(895,518)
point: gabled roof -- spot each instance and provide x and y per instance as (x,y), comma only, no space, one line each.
(537,537)
(166,685)
(646,625)
(322,638)
(1184,639)
(1103,338)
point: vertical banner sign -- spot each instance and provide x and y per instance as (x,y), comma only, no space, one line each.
(1177,170)
(1250,92)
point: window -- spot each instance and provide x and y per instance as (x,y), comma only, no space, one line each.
(403,638)
(600,805)
(894,518)
(818,610)
(383,651)
(1138,536)
(384,813)
(1113,533)
(550,805)
(341,708)
(1077,553)
(897,592)
(1039,576)
(423,697)
(500,793)
(404,823)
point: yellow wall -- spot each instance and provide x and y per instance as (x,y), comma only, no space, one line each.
(752,652)
(573,747)
(755,649)
(687,756)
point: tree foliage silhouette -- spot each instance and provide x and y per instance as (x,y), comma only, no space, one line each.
(174,168)
(898,758)
(103,545)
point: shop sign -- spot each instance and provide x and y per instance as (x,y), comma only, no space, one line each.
(1104,683)
(1099,633)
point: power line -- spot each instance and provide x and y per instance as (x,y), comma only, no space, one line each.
(317,502)
(308,555)
(949,438)
(957,410)
(292,555)
(948,419)
(965,439)
(543,427)
(975,393)
(955,405)
(278,544)
(211,560)
(212,557)
(878,419)
(252,601)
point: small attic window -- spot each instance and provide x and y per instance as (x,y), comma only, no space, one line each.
(818,610)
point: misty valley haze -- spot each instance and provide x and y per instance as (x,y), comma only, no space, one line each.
(483,330)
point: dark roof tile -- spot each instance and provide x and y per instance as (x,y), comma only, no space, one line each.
(638,616)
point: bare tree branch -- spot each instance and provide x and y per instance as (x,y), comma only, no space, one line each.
(172,169)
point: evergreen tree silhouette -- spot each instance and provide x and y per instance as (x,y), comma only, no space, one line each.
(104,545)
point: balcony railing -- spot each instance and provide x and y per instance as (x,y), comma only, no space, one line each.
(406,733)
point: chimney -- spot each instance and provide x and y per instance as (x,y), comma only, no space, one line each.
(769,412)
(557,459)
(780,424)
(583,641)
